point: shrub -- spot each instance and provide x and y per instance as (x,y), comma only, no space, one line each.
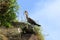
(8,9)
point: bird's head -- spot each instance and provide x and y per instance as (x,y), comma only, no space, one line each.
(26,13)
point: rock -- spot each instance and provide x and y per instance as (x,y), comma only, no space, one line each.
(3,37)
(33,37)
(16,33)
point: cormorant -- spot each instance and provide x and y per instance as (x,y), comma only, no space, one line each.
(31,21)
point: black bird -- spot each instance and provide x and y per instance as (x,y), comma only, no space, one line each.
(31,21)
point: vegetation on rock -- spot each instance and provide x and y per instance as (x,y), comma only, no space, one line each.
(8,9)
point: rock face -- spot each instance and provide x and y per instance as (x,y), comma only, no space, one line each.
(6,35)
(9,34)
(16,33)
(33,37)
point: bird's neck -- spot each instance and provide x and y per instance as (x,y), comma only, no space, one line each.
(26,16)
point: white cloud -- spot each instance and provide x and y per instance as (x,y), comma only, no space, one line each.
(51,10)
(48,11)
(49,15)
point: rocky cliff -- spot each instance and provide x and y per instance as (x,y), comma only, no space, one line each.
(16,32)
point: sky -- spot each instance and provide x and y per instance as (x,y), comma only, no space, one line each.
(45,13)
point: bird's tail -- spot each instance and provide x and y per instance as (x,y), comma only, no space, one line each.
(38,25)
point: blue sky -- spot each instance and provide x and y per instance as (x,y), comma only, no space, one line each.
(44,12)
